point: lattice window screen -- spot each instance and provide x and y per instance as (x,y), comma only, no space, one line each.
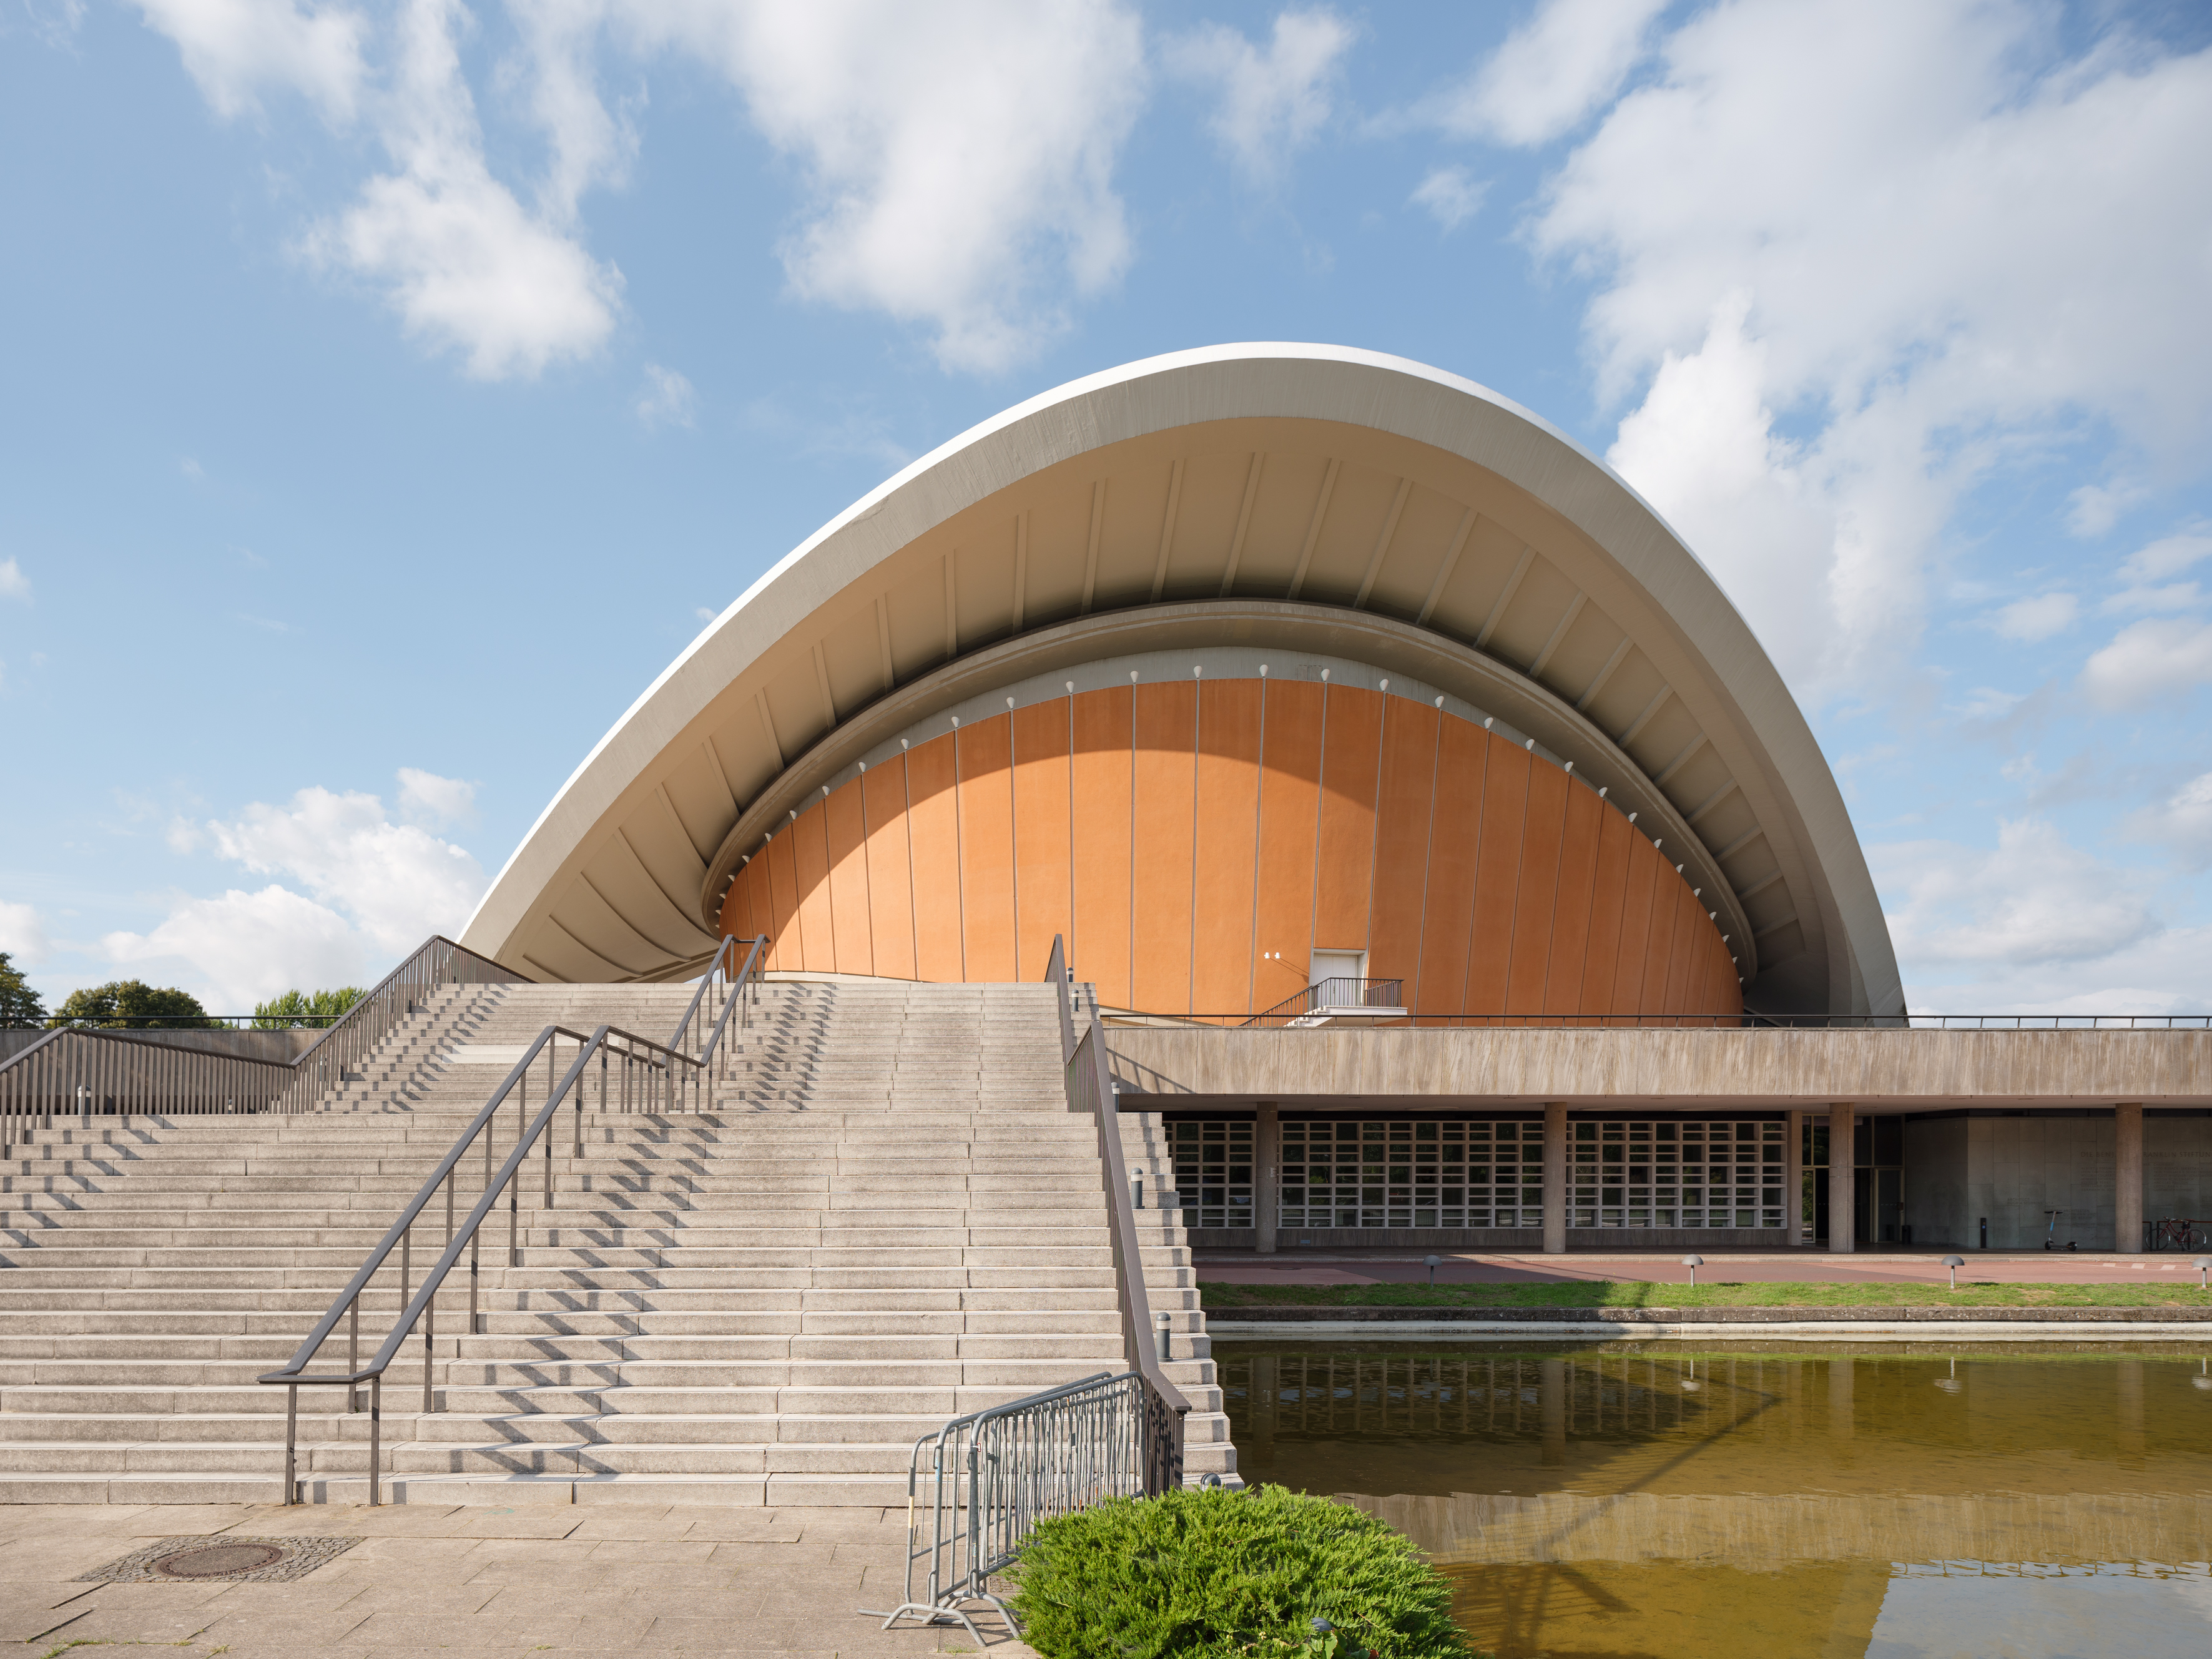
(1412,1172)
(1213,1172)
(1675,1175)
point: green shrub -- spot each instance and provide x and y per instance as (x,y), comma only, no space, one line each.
(1213,1574)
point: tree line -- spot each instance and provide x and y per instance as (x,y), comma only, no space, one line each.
(133,1005)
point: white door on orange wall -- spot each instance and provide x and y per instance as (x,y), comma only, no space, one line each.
(1337,964)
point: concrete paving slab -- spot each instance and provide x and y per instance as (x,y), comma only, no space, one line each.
(645,1580)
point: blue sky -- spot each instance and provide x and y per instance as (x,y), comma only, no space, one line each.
(391,390)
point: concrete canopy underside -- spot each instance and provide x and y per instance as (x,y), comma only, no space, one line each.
(1258,495)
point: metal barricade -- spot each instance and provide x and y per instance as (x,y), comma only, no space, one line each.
(976,1487)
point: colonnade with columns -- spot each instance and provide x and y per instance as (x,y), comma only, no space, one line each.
(1842,1121)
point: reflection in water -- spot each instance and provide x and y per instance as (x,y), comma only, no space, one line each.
(1657,1499)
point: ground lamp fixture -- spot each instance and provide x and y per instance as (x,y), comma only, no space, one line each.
(1432,1263)
(1164,1325)
(1693,1262)
(1955,1263)
(2203,1265)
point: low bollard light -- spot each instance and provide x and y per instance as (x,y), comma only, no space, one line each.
(1693,1262)
(1955,1263)
(1432,1263)
(1137,1183)
(2203,1265)
(1164,1340)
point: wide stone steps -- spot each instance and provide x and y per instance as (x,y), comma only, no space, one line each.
(890,1219)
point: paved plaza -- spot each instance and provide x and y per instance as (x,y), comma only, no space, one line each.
(642,1579)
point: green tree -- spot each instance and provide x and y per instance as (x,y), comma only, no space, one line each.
(18,1003)
(132,1002)
(305,1008)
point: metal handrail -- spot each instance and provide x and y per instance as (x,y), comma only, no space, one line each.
(85,1069)
(1336,992)
(1091,1089)
(715,964)
(993,1474)
(67,1065)
(660,1063)
(385,1005)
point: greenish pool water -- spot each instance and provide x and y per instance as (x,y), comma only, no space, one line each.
(1665,1499)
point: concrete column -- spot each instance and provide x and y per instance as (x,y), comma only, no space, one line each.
(2127,1179)
(1793,1179)
(2130,1404)
(1555,1178)
(1843,1213)
(1266,1177)
(1266,1389)
(1553,1376)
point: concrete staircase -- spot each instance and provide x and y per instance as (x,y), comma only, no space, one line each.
(888,1217)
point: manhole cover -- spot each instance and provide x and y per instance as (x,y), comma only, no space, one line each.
(227,1557)
(217,1560)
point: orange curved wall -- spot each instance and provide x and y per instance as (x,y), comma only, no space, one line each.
(1179,834)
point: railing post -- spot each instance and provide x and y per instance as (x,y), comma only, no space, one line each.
(291,1445)
(375,1437)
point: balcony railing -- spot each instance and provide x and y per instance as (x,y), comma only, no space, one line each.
(1337,1001)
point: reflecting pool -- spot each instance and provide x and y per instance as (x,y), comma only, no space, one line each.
(1664,1500)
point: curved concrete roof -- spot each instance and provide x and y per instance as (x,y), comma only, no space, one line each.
(1293,497)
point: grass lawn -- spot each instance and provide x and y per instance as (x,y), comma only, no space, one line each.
(1635,1293)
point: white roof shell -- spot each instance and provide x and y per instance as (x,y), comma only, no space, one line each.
(1273,494)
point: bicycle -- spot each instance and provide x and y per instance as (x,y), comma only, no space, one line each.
(2176,1233)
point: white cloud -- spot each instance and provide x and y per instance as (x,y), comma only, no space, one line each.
(2148,661)
(2037,617)
(2168,556)
(2095,508)
(374,889)
(397,883)
(2165,973)
(2034,898)
(669,398)
(2181,823)
(1552,72)
(1703,446)
(1267,105)
(244,948)
(461,260)
(235,49)
(959,157)
(428,800)
(13,584)
(22,933)
(1451,195)
(1870,225)
(956,159)
(56,25)
(2145,570)
(1985,704)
